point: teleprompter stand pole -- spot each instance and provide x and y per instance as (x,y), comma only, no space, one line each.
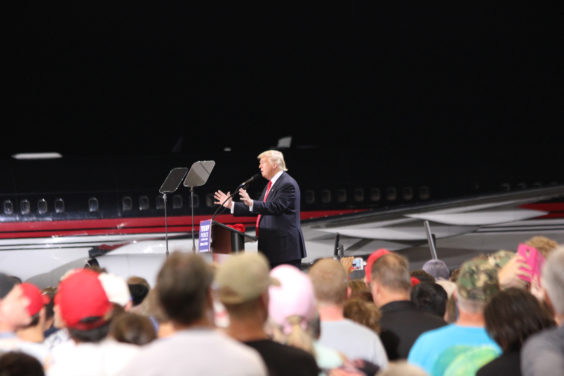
(170,185)
(197,176)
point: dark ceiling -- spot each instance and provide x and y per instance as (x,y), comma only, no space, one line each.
(128,79)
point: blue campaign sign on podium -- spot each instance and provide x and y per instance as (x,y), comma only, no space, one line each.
(204,237)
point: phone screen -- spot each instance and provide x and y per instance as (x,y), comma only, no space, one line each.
(358,263)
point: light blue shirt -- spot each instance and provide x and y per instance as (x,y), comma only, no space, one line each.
(453,350)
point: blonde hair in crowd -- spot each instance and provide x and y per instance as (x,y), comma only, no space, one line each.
(543,244)
(329,281)
(274,156)
(298,337)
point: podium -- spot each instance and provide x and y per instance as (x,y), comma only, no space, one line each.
(218,238)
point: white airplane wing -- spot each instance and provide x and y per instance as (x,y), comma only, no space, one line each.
(464,227)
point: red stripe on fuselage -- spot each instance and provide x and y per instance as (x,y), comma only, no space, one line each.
(554,209)
(119,226)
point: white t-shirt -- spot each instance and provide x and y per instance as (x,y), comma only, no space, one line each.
(59,338)
(105,358)
(196,352)
(13,343)
(353,340)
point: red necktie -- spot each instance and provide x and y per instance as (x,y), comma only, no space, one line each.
(265,196)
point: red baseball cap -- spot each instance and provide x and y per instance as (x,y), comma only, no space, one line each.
(81,296)
(36,299)
(370,261)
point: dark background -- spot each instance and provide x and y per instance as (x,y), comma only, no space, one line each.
(457,82)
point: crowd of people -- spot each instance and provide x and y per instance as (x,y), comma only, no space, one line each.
(491,315)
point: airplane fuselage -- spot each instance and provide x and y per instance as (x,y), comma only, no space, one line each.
(55,213)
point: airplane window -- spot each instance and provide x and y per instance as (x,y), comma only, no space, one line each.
(423,192)
(92,204)
(209,200)
(159,202)
(177,202)
(196,200)
(59,206)
(309,196)
(375,194)
(407,193)
(522,185)
(143,202)
(537,184)
(41,206)
(24,207)
(8,207)
(358,195)
(506,187)
(325,196)
(341,195)
(391,193)
(126,203)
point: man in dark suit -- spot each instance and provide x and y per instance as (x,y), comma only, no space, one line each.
(279,231)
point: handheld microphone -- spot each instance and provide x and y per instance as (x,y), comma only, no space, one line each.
(248,180)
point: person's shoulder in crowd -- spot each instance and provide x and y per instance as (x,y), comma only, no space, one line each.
(437,349)
(543,353)
(507,363)
(354,340)
(197,350)
(106,357)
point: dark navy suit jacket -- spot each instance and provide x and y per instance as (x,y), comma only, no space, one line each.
(280,235)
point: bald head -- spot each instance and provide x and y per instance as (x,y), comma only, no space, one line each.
(392,272)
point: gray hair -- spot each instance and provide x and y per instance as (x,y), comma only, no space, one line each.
(469,305)
(437,268)
(552,279)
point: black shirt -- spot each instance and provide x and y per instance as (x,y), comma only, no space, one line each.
(282,359)
(401,323)
(508,363)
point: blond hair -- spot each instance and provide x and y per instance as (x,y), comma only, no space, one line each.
(298,336)
(329,281)
(542,244)
(275,157)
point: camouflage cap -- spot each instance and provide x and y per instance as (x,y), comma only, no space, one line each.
(477,280)
(500,258)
